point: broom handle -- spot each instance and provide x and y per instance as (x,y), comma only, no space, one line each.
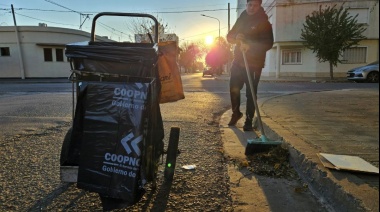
(253,94)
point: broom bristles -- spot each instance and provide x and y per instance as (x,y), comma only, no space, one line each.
(261,144)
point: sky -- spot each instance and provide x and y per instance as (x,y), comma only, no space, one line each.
(182,17)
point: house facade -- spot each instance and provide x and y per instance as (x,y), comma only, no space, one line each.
(289,58)
(37,51)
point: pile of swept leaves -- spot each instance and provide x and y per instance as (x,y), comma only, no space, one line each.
(274,163)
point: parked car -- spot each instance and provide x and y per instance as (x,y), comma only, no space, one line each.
(210,72)
(367,73)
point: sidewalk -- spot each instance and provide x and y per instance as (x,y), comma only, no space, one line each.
(344,122)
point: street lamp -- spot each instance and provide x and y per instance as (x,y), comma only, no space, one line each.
(218,22)
(219,31)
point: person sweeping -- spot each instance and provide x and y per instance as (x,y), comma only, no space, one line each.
(252,33)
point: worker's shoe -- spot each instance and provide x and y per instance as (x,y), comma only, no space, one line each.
(250,125)
(235,118)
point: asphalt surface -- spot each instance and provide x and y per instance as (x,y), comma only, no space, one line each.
(342,122)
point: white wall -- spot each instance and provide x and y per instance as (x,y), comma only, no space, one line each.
(287,18)
(33,39)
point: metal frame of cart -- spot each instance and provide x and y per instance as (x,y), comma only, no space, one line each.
(112,63)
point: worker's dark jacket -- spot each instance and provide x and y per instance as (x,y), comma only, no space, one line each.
(258,34)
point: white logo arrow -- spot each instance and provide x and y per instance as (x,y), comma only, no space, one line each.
(134,143)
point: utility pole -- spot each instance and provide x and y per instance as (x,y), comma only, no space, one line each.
(229,17)
(229,59)
(22,72)
(87,16)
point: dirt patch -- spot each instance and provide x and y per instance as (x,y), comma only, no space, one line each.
(273,163)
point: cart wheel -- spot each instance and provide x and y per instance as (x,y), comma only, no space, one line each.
(171,156)
(65,147)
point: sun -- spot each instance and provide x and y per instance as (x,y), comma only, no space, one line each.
(209,40)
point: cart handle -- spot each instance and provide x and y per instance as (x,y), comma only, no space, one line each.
(124,14)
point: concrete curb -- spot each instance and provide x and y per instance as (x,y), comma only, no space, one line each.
(342,195)
(339,191)
(292,80)
(318,178)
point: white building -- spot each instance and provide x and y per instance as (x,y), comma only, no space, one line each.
(40,53)
(289,58)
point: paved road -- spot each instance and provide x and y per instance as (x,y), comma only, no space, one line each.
(290,107)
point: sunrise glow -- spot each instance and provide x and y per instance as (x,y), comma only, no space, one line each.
(209,39)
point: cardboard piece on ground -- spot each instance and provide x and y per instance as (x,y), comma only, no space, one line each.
(347,162)
(325,162)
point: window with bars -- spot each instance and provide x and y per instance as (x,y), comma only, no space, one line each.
(291,57)
(355,55)
(59,55)
(48,54)
(4,51)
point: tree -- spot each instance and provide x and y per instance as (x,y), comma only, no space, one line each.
(144,26)
(329,32)
(219,54)
(189,54)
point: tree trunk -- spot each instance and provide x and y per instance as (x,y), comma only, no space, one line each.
(331,71)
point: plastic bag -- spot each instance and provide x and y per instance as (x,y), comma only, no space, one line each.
(170,78)
(113,137)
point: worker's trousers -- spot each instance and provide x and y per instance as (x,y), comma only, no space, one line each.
(237,81)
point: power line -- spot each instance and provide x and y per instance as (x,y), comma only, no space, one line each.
(191,11)
(106,26)
(70,10)
(202,34)
(45,20)
(87,16)
(195,6)
(42,10)
(63,6)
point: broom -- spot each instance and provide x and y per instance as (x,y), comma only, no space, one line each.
(262,143)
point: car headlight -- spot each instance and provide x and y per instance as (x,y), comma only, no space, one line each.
(359,71)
